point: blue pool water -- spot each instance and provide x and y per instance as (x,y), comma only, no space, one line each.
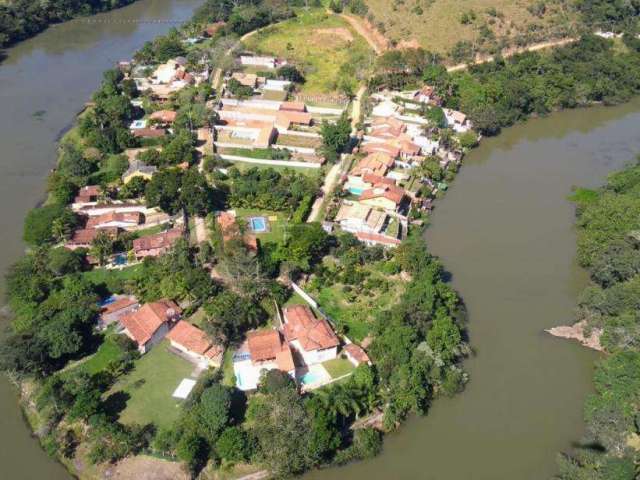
(120,259)
(356,191)
(310,377)
(107,301)
(258,224)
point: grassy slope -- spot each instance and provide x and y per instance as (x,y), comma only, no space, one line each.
(439,26)
(320,54)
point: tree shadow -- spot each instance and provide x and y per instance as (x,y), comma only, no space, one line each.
(115,404)
(238,406)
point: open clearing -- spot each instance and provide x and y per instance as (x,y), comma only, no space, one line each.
(436,24)
(150,385)
(324,46)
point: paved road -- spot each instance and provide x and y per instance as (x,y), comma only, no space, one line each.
(329,184)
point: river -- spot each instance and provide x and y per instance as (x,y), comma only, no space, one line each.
(504,231)
(43,83)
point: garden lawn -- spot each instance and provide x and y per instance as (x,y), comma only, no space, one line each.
(276,227)
(150,384)
(318,43)
(107,352)
(99,276)
(338,367)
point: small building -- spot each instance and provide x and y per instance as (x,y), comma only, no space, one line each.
(157,244)
(149,325)
(246,79)
(138,169)
(165,117)
(114,311)
(457,120)
(88,194)
(293,107)
(195,343)
(149,132)
(258,61)
(313,338)
(356,354)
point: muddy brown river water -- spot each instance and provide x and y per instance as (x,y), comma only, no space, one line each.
(504,231)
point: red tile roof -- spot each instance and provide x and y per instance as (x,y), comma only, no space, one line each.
(312,333)
(87,235)
(143,323)
(390,192)
(375,147)
(264,345)
(357,353)
(293,106)
(381,239)
(163,240)
(376,180)
(149,132)
(86,193)
(122,217)
(193,339)
(284,359)
(120,304)
(166,116)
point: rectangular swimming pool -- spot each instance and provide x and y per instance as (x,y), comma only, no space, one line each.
(258,224)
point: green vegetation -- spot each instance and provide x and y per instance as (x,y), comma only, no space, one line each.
(608,246)
(149,386)
(324,47)
(486,24)
(21,19)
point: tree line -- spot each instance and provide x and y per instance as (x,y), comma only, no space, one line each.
(22,19)
(608,221)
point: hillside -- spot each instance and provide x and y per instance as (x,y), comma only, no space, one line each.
(473,25)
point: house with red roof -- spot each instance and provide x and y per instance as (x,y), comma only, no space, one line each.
(156,245)
(84,237)
(123,220)
(390,198)
(148,325)
(313,338)
(195,343)
(114,311)
(88,194)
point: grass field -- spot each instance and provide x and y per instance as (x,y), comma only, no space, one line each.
(276,227)
(436,25)
(323,46)
(338,367)
(150,385)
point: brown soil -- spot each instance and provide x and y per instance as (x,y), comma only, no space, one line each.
(374,38)
(146,468)
(577,332)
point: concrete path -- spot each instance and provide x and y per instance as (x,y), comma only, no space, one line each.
(329,184)
(509,53)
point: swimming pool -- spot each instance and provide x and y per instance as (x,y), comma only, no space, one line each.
(258,224)
(120,259)
(311,377)
(356,191)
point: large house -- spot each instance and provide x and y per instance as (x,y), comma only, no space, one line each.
(390,198)
(138,169)
(312,337)
(156,245)
(355,217)
(84,237)
(149,325)
(125,220)
(195,343)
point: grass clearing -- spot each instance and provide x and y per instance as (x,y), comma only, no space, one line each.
(277,223)
(338,367)
(110,277)
(150,385)
(436,25)
(309,41)
(310,172)
(108,351)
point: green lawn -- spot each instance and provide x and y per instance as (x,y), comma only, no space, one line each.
(108,351)
(310,172)
(277,227)
(150,385)
(228,375)
(338,367)
(102,275)
(319,44)
(144,232)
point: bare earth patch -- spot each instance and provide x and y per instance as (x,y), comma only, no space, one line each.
(146,468)
(577,332)
(337,32)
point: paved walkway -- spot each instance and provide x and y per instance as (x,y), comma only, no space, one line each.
(329,184)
